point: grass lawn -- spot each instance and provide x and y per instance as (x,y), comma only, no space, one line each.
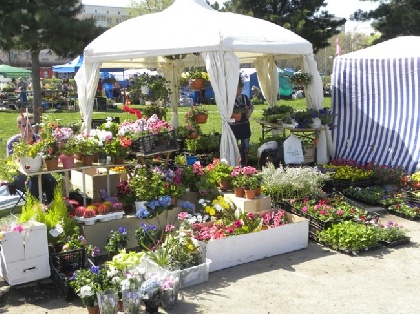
(9,126)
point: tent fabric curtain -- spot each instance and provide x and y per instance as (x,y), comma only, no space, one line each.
(223,69)
(87,81)
(268,78)
(172,72)
(376,99)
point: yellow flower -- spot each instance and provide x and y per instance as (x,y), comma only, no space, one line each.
(1,235)
(191,247)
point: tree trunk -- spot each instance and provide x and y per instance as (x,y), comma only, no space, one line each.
(36,85)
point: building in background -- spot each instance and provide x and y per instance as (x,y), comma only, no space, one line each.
(104,16)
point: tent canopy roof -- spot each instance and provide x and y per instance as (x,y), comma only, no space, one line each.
(69,67)
(191,26)
(13,72)
(400,47)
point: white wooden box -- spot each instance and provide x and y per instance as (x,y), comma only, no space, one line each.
(241,249)
(24,255)
(255,205)
(95,180)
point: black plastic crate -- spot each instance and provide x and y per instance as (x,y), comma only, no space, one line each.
(155,143)
(62,282)
(68,261)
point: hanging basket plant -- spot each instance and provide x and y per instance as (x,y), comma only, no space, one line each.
(301,79)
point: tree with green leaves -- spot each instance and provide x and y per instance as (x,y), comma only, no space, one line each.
(392,18)
(302,17)
(34,25)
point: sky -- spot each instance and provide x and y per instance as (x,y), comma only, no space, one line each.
(340,8)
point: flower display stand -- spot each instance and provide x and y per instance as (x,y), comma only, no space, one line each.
(254,205)
(97,233)
(24,255)
(236,250)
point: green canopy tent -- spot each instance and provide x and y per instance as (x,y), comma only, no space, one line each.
(13,72)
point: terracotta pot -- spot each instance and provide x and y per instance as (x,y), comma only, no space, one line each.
(197,84)
(52,164)
(174,201)
(93,309)
(224,185)
(78,156)
(250,194)
(239,191)
(257,191)
(201,119)
(87,160)
(67,161)
(236,116)
(95,157)
(120,306)
(415,185)
(118,160)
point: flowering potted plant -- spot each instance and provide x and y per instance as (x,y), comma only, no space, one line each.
(150,87)
(197,79)
(126,195)
(301,79)
(220,172)
(28,155)
(117,240)
(118,147)
(392,234)
(197,115)
(86,282)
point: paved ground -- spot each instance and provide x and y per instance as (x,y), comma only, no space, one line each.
(313,280)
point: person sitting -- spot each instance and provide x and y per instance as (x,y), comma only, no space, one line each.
(25,122)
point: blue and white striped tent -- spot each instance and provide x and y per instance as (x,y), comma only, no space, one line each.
(376,98)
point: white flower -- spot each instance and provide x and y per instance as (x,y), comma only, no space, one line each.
(86,291)
(125,284)
(111,272)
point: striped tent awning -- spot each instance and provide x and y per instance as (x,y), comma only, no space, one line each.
(376,100)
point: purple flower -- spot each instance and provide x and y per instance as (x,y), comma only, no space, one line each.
(95,251)
(142,213)
(95,269)
(122,230)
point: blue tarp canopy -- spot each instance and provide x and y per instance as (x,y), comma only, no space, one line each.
(74,65)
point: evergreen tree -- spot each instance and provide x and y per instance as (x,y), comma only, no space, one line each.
(302,17)
(392,18)
(34,25)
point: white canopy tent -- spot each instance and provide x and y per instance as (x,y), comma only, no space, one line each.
(220,41)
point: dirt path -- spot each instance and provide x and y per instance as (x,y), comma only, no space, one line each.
(313,280)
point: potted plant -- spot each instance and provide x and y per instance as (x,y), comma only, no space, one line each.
(197,115)
(237,113)
(220,172)
(117,240)
(392,234)
(150,87)
(301,79)
(118,148)
(275,113)
(304,118)
(28,155)
(197,79)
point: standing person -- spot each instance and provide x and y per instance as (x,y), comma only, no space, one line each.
(24,123)
(23,86)
(99,88)
(242,129)
(116,92)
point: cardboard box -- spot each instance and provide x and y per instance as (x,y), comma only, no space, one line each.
(95,180)
(255,205)
(308,153)
(25,270)
(240,249)
(31,242)
(24,255)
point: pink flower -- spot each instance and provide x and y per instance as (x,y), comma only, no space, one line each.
(182,215)
(305,209)
(18,228)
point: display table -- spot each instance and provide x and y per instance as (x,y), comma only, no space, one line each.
(78,167)
(97,234)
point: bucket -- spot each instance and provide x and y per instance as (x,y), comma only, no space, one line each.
(190,160)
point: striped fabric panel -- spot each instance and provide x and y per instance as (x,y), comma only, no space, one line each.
(377,106)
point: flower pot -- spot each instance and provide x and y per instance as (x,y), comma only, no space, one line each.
(140,204)
(250,194)
(239,191)
(67,161)
(190,160)
(144,89)
(131,301)
(201,118)
(224,185)
(87,160)
(118,160)
(197,84)
(128,209)
(108,301)
(95,157)
(169,298)
(93,309)
(258,191)
(52,164)
(236,116)
(316,123)
(30,164)
(415,185)
(78,156)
